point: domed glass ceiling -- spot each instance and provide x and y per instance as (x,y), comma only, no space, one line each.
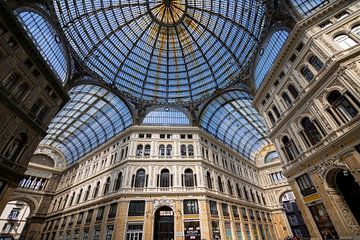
(164,50)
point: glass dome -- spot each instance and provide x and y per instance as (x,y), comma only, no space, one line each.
(164,50)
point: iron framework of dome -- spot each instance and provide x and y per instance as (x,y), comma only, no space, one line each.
(164,50)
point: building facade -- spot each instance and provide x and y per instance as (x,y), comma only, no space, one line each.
(310,102)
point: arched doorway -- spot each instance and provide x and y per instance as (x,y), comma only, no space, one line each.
(350,190)
(293,215)
(164,224)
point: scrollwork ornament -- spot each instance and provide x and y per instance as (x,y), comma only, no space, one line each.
(322,168)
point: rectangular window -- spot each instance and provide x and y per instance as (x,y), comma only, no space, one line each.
(85,235)
(89,215)
(112,211)
(192,230)
(225,209)
(228,230)
(305,184)
(80,218)
(134,232)
(14,213)
(235,211)
(251,214)
(213,208)
(97,233)
(136,208)
(243,213)
(191,206)
(255,232)
(247,231)
(216,230)
(100,213)
(109,232)
(239,232)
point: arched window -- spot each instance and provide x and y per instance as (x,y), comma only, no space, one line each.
(276,111)
(21,91)
(311,132)
(209,180)
(107,186)
(344,41)
(316,62)
(271,156)
(344,105)
(79,196)
(162,150)
(183,150)
(169,150)
(87,193)
(16,147)
(139,150)
(140,179)
(118,181)
(306,73)
(147,150)
(191,150)
(230,187)
(246,193)
(294,92)
(71,199)
(96,190)
(271,117)
(189,178)
(238,190)
(165,178)
(286,99)
(289,148)
(220,185)
(356,30)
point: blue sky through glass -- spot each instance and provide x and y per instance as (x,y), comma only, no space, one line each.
(166,116)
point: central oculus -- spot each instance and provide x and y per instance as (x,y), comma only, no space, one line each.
(167,12)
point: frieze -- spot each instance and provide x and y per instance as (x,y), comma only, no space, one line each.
(163,202)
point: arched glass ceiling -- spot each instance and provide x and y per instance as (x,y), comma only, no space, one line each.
(46,40)
(268,54)
(232,119)
(164,50)
(91,117)
(308,7)
(166,116)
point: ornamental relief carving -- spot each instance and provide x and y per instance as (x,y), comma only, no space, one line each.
(345,213)
(163,202)
(321,169)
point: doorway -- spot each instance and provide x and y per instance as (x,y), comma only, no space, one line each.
(350,189)
(164,224)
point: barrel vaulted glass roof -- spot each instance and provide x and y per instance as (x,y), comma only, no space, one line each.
(164,50)
(166,116)
(308,7)
(46,40)
(91,117)
(232,119)
(268,54)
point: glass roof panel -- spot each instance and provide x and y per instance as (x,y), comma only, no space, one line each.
(90,118)
(232,119)
(166,116)
(168,51)
(46,40)
(308,7)
(268,54)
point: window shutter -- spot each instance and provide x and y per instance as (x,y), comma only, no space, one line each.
(182,179)
(146,180)
(133,181)
(158,180)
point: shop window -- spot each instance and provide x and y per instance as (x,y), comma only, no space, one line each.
(109,232)
(134,232)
